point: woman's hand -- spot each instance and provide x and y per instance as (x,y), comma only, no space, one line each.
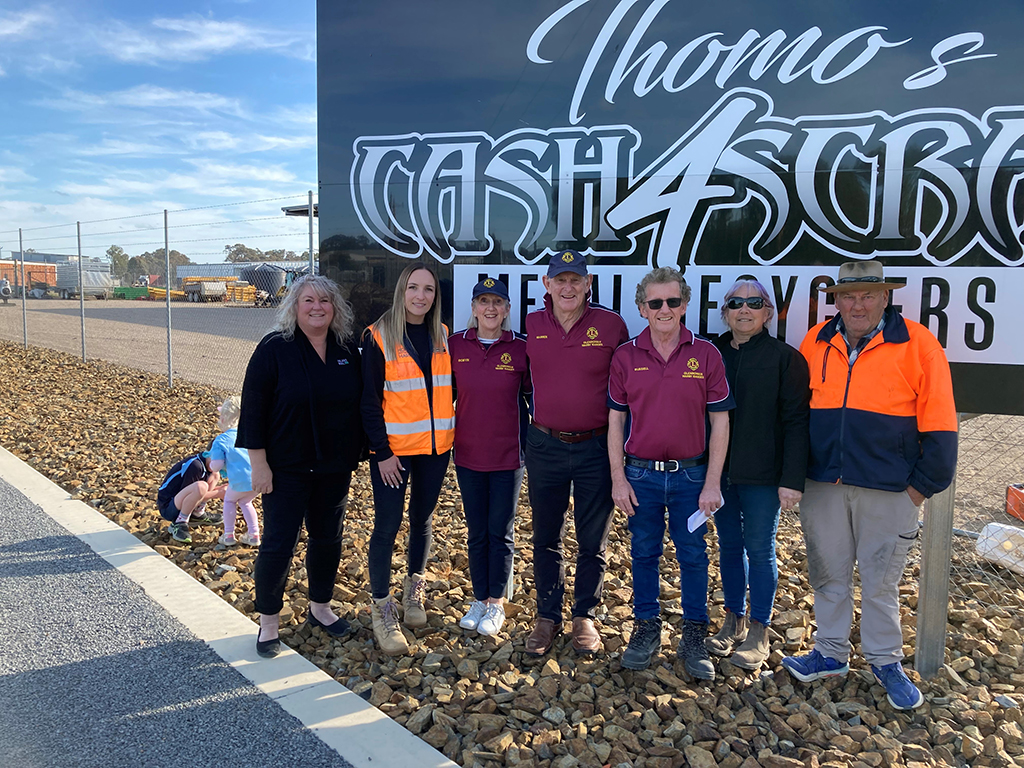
(788,498)
(391,472)
(262,477)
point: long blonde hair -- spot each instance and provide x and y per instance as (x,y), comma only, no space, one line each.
(391,324)
(343,322)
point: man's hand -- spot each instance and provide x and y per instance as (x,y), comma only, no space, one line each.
(710,499)
(788,498)
(623,495)
(915,495)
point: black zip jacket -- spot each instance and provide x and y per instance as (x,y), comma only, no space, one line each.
(768,430)
(302,410)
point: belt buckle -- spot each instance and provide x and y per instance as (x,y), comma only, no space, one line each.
(659,466)
(564,437)
(674,466)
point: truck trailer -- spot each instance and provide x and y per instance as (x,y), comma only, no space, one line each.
(95,276)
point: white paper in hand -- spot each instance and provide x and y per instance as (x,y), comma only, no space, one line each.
(698,518)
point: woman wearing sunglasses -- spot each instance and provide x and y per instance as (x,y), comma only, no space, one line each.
(764,470)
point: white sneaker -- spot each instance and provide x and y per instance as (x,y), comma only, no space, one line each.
(491,623)
(226,540)
(472,618)
(249,540)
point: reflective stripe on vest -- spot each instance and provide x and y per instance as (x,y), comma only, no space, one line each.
(407,412)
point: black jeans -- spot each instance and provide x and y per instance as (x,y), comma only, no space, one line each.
(320,501)
(489,500)
(425,474)
(554,466)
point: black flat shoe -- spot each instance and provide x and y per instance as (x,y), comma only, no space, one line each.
(339,628)
(268,649)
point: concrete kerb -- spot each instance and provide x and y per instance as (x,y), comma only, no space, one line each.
(360,733)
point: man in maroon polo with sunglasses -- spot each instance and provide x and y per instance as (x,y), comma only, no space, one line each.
(570,344)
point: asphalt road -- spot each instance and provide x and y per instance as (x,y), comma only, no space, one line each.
(95,674)
(235,322)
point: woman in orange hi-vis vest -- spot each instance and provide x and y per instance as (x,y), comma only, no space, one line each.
(410,419)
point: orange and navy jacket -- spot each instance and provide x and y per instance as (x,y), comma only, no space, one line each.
(889,420)
(415,424)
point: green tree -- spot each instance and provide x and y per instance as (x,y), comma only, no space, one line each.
(118,260)
(153,263)
(238,252)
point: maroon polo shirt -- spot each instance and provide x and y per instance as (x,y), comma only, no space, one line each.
(666,401)
(570,370)
(491,384)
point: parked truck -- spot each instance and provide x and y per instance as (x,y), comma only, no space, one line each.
(204,290)
(39,277)
(95,276)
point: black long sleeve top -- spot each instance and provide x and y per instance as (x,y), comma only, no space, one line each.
(769,436)
(302,410)
(420,347)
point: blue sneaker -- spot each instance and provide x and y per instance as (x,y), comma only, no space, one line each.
(813,666)
(902,693)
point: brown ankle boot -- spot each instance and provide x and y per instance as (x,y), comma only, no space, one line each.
(755,649)
(413,589)
(386,629)
(732,633)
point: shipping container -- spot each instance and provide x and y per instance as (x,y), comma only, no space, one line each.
(37,275)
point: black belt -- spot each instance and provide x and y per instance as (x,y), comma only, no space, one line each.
(572,437)
(672,465)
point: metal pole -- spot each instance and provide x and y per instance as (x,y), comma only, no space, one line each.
(311,232)
(24,293)
(167,280)
(81,287)
(933,597)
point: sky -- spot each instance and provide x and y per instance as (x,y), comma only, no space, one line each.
(118,109)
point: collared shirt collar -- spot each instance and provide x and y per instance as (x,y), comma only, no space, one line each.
(644,340)
(864,340)
(472,335)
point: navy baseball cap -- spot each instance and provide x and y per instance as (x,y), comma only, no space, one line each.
(490,285)
(567,261)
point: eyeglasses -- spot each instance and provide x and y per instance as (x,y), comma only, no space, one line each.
(754,302)
(674,303)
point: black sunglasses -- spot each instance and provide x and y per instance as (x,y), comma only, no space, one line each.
(754,302)
(673,303)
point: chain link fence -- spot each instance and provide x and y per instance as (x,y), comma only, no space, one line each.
(86,294)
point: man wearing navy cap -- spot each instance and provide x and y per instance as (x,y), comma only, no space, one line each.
(570,344)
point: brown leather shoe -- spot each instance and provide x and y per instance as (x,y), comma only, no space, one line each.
(543,635)
(585,638)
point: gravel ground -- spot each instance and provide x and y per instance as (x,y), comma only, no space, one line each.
(94,673)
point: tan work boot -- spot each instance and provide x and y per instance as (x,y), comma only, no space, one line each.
(412,601)
(732,633)
(386,629)
(755,649)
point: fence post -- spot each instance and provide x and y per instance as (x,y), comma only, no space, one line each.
(24,293)
(933,598)
(81,287)
(167,280)
(311,232)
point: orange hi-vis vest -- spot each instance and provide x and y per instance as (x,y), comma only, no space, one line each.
(413,428)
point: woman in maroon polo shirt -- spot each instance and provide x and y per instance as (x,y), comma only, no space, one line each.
(491,381)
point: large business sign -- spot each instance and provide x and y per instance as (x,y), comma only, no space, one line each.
(726,140)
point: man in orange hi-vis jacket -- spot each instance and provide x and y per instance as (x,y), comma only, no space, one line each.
(883,439)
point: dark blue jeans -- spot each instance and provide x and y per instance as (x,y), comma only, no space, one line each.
(489,500)
(319,500)
(553,468)
(746,528)
(677,494)
(425,475)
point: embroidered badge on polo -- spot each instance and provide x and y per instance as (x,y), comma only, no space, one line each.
(591,332)
(506,358)
(343,362)
(692,364)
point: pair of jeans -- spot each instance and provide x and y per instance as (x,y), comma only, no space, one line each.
(676,494)
(320,500)
(425,475)
(554,467)
(489,501)
(746,527)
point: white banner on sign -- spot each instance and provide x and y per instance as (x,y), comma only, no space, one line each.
(960,305)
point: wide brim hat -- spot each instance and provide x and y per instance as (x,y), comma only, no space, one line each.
(861,276)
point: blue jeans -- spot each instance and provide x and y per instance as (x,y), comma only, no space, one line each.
(489,500)
(678,494)
(746,548)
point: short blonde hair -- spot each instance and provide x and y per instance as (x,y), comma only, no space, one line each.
(343,322)
(230,411)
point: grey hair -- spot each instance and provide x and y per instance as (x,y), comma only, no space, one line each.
(506,324)
(660,276)
(343,322)
(761,291)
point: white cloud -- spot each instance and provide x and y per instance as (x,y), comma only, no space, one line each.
(143,97)
(197,38)
(14,176)
(15,25)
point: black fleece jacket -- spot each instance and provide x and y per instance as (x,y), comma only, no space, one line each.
(302,410)
(768,430)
